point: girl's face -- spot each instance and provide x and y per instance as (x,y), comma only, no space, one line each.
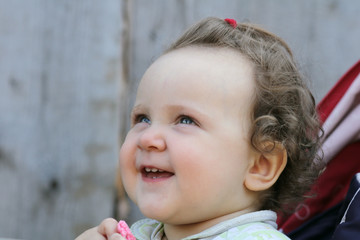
(187,153)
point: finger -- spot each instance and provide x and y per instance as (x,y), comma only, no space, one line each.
(108,227)
(91,234)
(116,236)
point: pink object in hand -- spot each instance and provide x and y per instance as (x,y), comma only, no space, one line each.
(124,230)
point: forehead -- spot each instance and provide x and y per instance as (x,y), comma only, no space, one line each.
(214,74)
(201,65)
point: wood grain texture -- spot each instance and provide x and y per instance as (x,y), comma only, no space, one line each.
(68,77)
(59,125)
(322,33)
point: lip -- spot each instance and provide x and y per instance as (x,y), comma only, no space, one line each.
(154,177)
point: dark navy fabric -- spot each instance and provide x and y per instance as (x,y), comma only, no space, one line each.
(349,227)
(320,227)
(341,222)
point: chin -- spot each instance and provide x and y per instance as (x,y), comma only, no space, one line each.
(164,217)
(153,215)
(153,211)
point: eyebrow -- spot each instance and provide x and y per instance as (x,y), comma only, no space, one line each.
(184,108)
(174,107)
(137,108)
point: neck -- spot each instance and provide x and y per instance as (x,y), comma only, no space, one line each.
(177,232)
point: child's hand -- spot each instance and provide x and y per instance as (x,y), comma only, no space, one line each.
(107,230)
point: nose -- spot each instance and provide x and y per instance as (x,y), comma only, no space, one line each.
(152,139)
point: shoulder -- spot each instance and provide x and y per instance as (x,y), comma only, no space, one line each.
(252,231)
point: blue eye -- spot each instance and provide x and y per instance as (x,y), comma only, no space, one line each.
(186,120)
(142,119)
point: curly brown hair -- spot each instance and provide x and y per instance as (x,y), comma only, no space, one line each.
(284,108)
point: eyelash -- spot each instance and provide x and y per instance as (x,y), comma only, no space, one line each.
(139,118)
(142,118)
(187,118)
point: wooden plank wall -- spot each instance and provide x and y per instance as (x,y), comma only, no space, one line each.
(322,33)
(68,74)
(59,126)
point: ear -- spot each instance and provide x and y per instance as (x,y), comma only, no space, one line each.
(266,167)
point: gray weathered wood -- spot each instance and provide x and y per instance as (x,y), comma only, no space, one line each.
(323,34)
(68,76)
(59,125)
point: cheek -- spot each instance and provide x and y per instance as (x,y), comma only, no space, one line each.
(124,157)
(195,163)
(128,151)
(212,161)
(127,165)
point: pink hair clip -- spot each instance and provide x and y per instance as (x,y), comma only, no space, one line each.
(124,230)
(231,21)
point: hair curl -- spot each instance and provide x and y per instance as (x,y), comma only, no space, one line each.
(284,108)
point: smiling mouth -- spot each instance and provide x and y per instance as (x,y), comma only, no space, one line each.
(155,173)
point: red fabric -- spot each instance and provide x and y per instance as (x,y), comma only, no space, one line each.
(332,185)
(328,103)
